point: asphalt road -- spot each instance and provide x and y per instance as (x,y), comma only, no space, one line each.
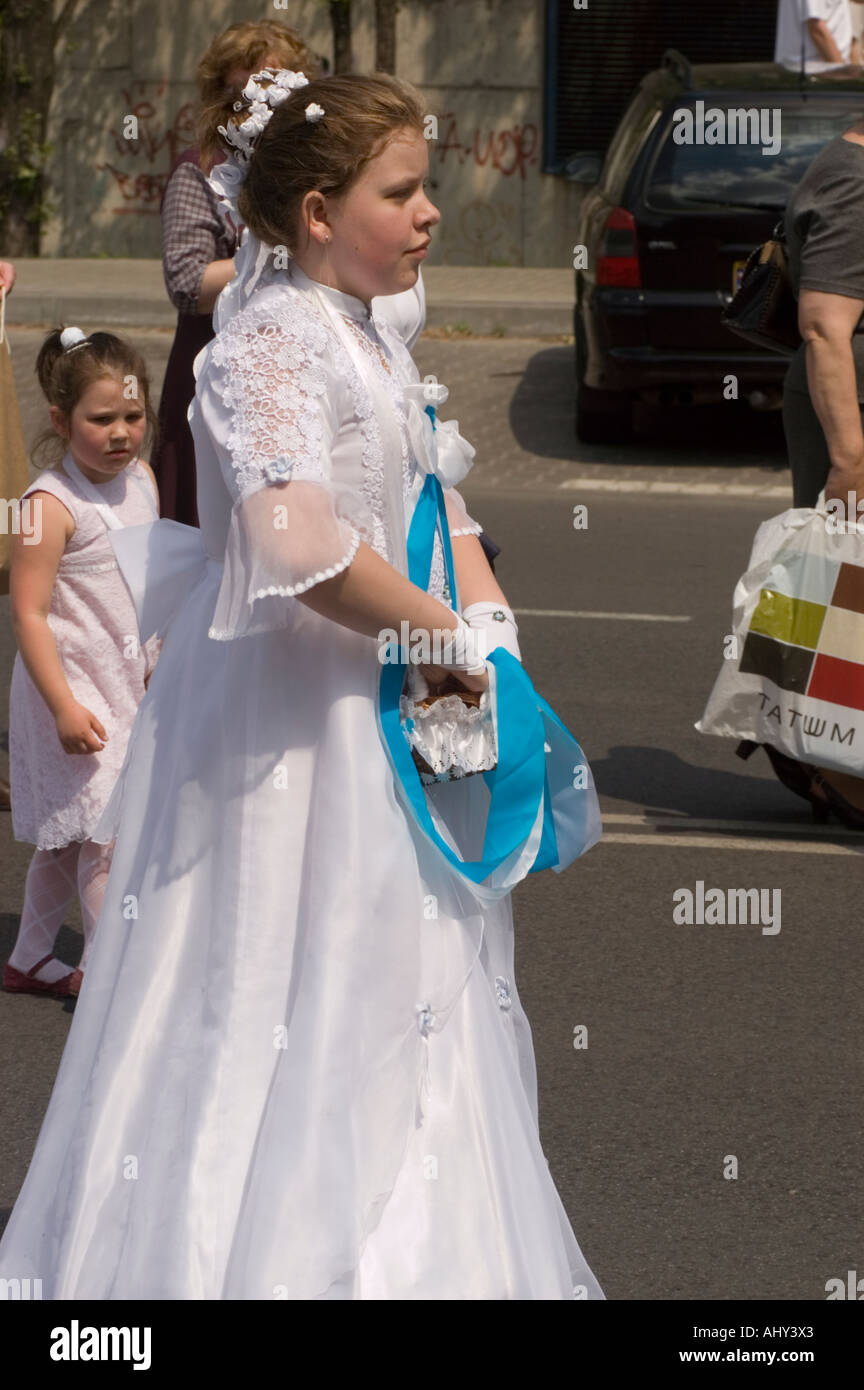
(705,1043)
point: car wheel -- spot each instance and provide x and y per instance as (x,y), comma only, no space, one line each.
(602,417)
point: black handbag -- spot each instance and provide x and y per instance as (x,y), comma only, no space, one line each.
(764,309)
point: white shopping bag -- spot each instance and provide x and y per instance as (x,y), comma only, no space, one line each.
(794,677)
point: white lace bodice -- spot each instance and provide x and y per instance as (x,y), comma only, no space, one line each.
(372,336)
(280,400)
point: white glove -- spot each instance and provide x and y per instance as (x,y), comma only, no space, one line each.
(498,623)
(460,649)
(465,650)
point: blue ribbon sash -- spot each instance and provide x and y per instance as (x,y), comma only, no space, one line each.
(541,769)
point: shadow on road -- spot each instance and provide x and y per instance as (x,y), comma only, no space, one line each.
(724,435)
(68,947)
(661,780)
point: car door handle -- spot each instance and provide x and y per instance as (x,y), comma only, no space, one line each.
(662,246)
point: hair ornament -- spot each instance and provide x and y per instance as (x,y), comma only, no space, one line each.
(72,338)
(227,178)
(314,112)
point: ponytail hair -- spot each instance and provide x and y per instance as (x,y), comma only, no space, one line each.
(65,374)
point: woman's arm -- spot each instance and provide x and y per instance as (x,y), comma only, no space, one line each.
(824,41)
(192,235)
(474,576)
(216,276)
(369,596)
(826,323)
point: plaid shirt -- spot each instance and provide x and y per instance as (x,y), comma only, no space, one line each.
(195,231)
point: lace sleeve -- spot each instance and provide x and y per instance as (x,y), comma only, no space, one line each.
(265,401)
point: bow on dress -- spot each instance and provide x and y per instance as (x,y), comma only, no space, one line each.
(437,444)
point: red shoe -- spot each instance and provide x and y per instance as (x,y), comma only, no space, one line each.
(16,982)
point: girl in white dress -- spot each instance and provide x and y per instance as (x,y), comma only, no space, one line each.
(299,1067)
(79,673)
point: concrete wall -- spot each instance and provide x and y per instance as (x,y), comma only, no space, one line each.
(479,63)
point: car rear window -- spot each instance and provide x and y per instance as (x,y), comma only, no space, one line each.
(688,176)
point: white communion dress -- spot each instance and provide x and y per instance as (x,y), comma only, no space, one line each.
(298,1067)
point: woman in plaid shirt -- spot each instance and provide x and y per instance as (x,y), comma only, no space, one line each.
(198,246)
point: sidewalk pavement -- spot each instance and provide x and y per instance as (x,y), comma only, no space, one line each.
(502,300)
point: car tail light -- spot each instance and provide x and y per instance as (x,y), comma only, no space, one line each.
(618,262)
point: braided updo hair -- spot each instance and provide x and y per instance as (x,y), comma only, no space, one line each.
(295,156)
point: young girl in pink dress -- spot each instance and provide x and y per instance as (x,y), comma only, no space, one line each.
(80,673)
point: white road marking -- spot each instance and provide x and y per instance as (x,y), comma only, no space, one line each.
(679,822)
(682,488)
(587,613)
(731,842)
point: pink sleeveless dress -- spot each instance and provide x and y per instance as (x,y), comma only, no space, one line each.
(58,797)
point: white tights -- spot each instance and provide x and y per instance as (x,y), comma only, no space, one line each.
(55,878)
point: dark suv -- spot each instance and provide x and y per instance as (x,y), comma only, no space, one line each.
(670,223)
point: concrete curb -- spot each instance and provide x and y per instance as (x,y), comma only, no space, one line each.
(522,302)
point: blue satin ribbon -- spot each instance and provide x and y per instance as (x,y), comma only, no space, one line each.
(523,777)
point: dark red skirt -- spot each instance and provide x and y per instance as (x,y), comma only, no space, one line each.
(173,460)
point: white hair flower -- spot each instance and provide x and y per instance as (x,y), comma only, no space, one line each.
(259,103)
(290,81)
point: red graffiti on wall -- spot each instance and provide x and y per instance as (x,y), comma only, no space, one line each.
(155,143)
(509,151)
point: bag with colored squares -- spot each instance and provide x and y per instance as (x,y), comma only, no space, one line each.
(793,671)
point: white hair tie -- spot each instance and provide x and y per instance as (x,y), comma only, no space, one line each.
(314,112)
(71,338)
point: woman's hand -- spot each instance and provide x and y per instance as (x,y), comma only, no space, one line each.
(844,482)
(77,728)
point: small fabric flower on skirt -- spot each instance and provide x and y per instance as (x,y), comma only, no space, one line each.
(502,991)
(425,1019)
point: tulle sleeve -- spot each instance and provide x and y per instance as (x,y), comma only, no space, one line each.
(460,523)
(265,401)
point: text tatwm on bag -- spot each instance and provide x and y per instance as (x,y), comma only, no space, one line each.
(796,678)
